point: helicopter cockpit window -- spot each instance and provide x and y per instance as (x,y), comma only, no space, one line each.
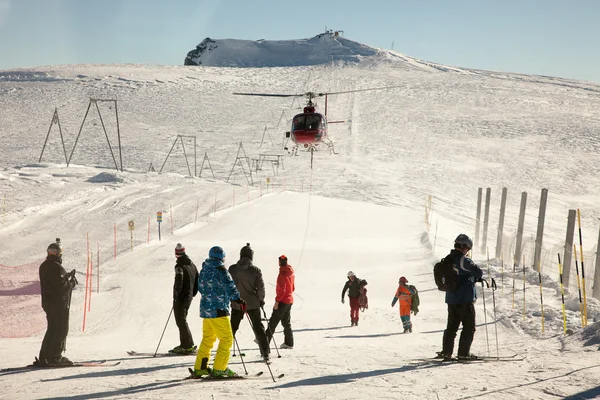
(299,123)
(313,122)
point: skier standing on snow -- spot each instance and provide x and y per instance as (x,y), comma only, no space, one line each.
(461,302)
(284,298)
(185,288)
(249,281)
(56,285)
(217,290)
(353,286)
(405,295)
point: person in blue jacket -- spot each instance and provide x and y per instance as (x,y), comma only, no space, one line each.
(218,290)
(461,302)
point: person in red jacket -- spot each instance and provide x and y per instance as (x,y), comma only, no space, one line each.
(283,304)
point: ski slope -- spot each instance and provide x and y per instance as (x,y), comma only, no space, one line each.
(444,133)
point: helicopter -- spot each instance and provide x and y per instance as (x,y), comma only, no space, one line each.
(309,128)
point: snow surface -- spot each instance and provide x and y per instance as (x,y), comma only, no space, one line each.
(445,132)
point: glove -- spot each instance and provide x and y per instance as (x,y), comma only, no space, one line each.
(242,304)
(342,300)
(72,278)
(262,303)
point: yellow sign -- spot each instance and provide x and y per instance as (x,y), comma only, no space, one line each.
(131,225)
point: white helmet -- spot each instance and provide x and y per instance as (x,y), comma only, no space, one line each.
(350,273)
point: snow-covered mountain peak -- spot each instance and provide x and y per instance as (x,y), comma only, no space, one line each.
(328,47)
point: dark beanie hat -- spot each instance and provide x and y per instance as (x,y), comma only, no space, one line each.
(246,251)
(282,261)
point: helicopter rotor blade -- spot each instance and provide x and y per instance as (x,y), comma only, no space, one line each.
(315,94)
(357,90)
(270,94)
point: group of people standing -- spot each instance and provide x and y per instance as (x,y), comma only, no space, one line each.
(241,286)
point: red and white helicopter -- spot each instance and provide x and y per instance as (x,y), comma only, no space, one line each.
(309,128)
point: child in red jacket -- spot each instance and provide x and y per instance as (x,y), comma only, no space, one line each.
(283,304)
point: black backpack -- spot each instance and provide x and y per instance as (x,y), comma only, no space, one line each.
(446,275)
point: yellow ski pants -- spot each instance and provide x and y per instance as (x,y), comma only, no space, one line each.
(213,329)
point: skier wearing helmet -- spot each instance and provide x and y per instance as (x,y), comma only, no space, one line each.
(217,289)
(405,294)
(56,285)
(353,285)
(461,302)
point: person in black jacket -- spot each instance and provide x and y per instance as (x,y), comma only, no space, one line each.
(184,290)
(249,282)
(56,285)
(353,286)
(461,302)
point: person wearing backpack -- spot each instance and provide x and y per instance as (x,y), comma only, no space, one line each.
(461,301)
(354,286)
(405,294)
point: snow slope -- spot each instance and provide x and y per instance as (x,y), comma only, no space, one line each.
(444,133)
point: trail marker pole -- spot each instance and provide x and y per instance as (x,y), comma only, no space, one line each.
(159,220)
(131,228)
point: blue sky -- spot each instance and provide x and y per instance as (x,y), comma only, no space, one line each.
(547,37)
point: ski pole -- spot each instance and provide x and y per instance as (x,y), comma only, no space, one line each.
(483,295)
(163,333)
(494,288)
(252,327)
(270,333)
(241,357)
(485,315)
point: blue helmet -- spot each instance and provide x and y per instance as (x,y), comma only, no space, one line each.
(217,252)
(463,240)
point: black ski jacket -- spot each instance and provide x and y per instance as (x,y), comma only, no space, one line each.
(186,279)
(249,282)
(353,287)
(55,285)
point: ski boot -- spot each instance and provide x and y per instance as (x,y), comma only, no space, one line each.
(443,356)
(203,371)
(60,362)
(468,357)
(224,373)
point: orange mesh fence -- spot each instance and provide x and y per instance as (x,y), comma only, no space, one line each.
(21,310)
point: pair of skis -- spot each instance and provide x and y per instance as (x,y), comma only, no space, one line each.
(258,375)
(211,378)
(142,354)
(513,357)
(101,363)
